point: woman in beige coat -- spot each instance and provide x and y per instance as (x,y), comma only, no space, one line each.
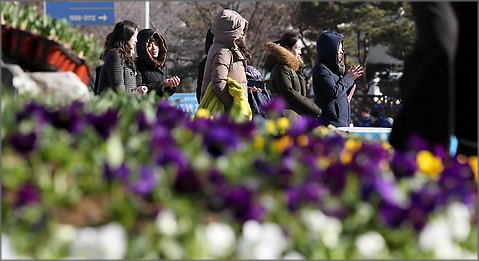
(227,56)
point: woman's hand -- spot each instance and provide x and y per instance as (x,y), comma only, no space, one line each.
(355,71)
(172,82)
(254,89)
(141,90)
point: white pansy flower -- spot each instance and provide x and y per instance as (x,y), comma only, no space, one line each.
(65,232)
(331,231)
(7,249)
(113,241)
(258,241)
(220,239)
(252,230)
(85,244)
(107,242)
(448,251)
(265,250)
(468,255)
(172,249)
(435,235)
(273,233)
(314,221)
(268,202)
(370,244)
(458,219)
(166,223)
(293,255)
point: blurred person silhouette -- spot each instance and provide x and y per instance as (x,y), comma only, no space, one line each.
(201,66)
(151,63)
(440,78)
(287,77)
(379,121)
(331,84)
(119,71)
(365,117)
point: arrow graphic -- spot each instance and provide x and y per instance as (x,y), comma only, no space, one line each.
(103,17)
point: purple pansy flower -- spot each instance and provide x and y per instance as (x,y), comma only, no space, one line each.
(143,123)
(392,214)
(218,140)
(276,105)
(403,164)
(188,181)
(161,137)
(23,143)
(308,192)
(27,194)
(170,116)
(104,123)
(172,155)
(423,202)
(457,182)
(69,118)
(146,181)
(122,172)
(334,178)
(33,109)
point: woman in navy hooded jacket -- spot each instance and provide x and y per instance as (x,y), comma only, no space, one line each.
(330,83)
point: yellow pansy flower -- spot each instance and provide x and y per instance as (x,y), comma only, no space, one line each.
(351,146)
(282,124)
(259,142)
(270,127)
(386,145)
(429,164)
(473,164)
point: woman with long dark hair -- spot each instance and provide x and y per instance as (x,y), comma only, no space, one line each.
(119,70)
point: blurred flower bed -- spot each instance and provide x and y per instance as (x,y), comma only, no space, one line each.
(126,177)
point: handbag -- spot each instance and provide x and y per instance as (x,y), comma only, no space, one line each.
(258,98)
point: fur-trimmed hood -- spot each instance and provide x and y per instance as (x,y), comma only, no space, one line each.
(144,36)
(277,53)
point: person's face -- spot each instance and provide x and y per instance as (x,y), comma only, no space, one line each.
(153,49)
(296,49)
(340,51)
(132,42)
(373,119)
(364,114)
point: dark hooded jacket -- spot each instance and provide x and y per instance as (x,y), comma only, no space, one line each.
(287,80)
(330,84)
(201,66)
(153,70)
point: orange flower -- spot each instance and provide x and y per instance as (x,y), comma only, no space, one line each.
(283,143)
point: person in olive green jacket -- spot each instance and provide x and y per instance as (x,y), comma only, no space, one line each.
(287,78)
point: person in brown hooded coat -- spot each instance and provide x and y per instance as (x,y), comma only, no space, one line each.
(227,56)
